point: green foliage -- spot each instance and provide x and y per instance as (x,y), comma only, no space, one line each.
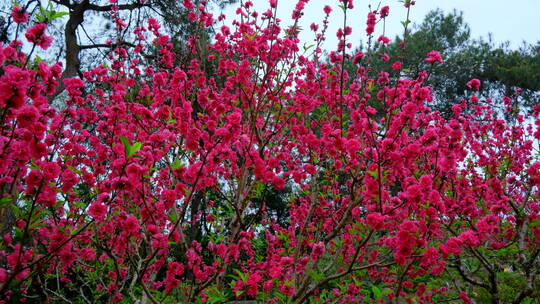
(129,148)
(501,70)
(48,14)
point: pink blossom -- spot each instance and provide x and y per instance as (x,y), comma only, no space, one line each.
(327,9)
(36,35)
(474,84)
(375,221)
(384,12)
(97,210)
(371,20)
(13,86)
(383,39)
(88,254)
(131,225)
(275,272)
(433,57)
(188,4)
(27,115)
(356,213)
(238,286)
(317,250)
(3,275)
(357,57)
(252,282)
(19,15)
(51,170)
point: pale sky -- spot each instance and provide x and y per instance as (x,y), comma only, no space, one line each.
(514,21)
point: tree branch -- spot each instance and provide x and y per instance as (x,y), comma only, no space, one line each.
(467,277)
(106,8)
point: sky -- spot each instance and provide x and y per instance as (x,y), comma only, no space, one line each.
(514,21)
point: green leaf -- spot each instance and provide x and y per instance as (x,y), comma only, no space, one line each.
(18,233)
(371,86)
(251,37)
(61,229)
(79,205)
(377,292)
(134,148)
(74,170)
(173,216)
(405,23)
(317,277)
(4,201)
(406,70)
(216,295)
(217,299)
(171,120)
(81,228)
(42,12)
(176,165)
(243,276)
(308,47)
(57,15)
(374,173)
(127,145)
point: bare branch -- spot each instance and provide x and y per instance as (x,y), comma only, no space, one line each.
(467,276)
(107,8)
(105,45)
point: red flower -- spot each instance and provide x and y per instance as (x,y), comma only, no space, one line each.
(188,4)
(278,182)
(375,221)
(131,225)
(465,298)
(13,86)
(36,35)
(385,10)
(238,286)
(3,275)
(474,84)
(371,20)
(383,39)
(19,15)
(433,57)
(357,57)
(275,272)
(252,282)
(356,213)
(173,269)
(27,116)
(317,250)
(51,170)
(87,254)
(97,210)
(327,9)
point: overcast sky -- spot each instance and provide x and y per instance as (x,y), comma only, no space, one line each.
(514,21)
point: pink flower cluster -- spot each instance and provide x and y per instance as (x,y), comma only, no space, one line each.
(275,176)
